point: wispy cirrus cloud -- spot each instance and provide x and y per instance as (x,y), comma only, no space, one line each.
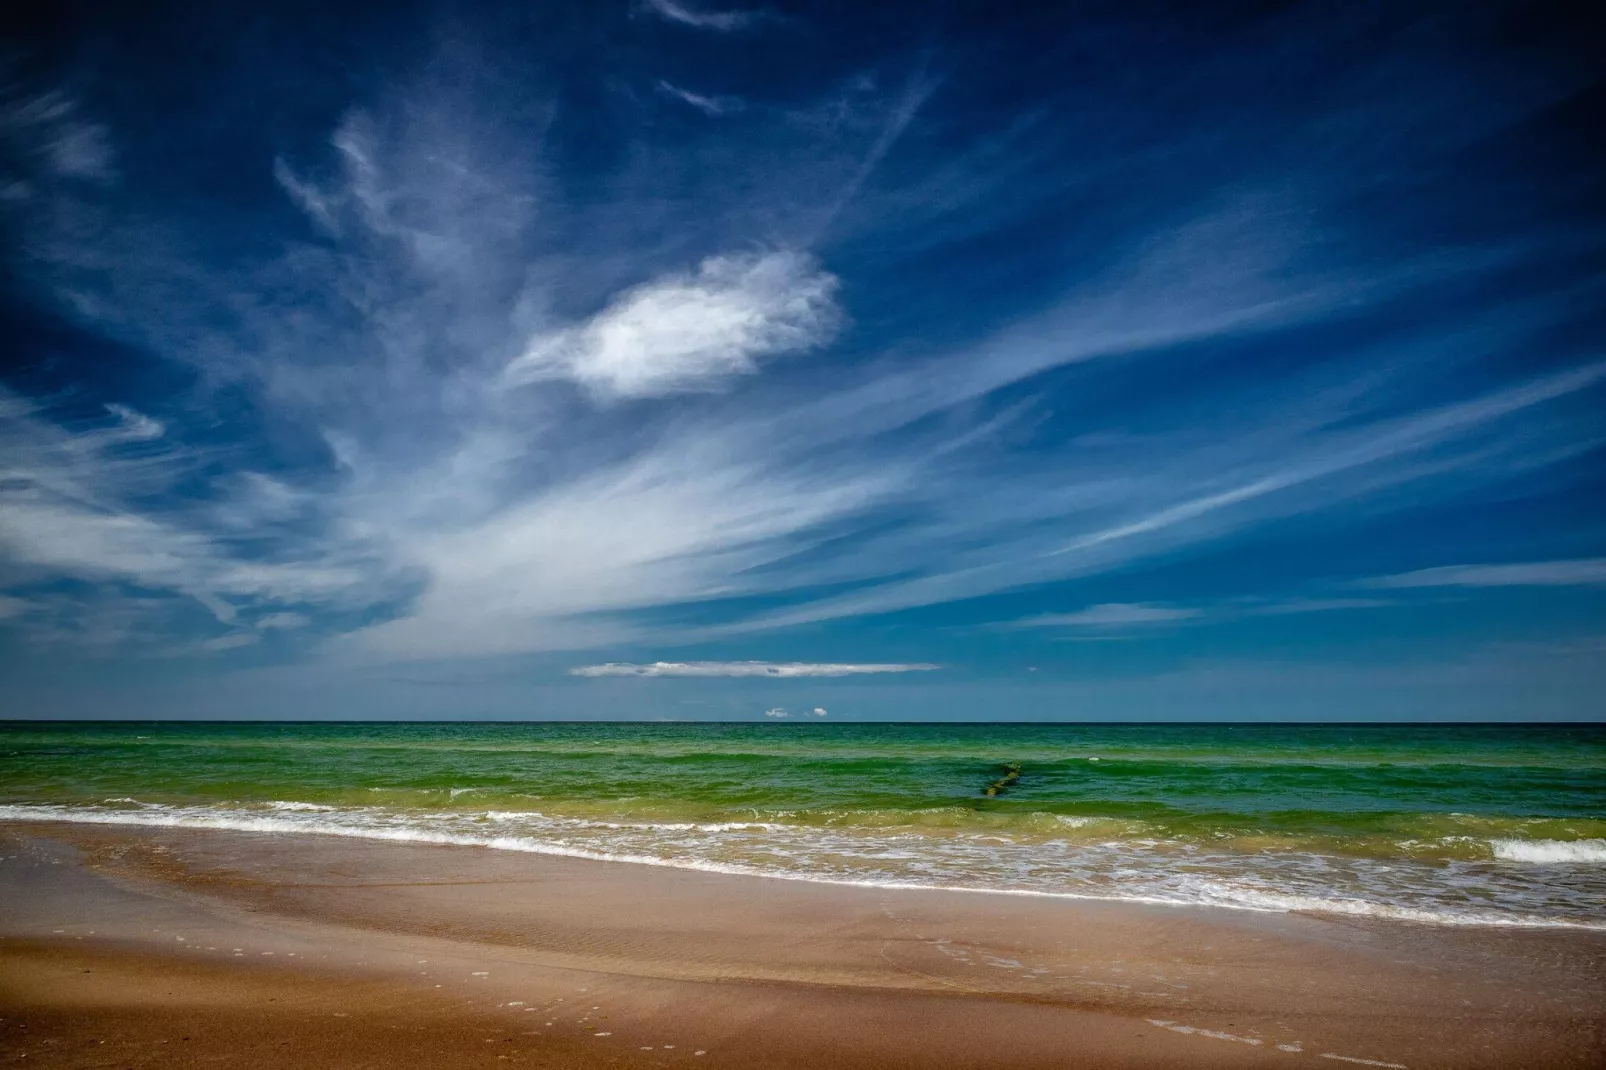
(1297,606)
(45,137)
(74,503)
(1578,572)
(1112,615)
(702,19)
(232,641)
(777,670)
(1317,467)
(1136,616)
(711,106)
(825,420)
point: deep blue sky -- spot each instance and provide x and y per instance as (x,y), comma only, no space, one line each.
(969,361)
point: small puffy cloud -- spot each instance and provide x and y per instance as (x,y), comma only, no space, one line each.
(691,332)
(818,711)
(770,669)
(776,711)
(688,15)
(1579,572)
(1112,615)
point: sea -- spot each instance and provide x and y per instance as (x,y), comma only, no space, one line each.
(1438,824)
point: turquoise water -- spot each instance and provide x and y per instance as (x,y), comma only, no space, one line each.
(1454,824)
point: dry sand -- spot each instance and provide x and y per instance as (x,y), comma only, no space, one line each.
(136,948)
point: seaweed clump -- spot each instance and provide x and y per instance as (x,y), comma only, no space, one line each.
(1003,783)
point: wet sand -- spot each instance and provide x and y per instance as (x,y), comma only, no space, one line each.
(151,947)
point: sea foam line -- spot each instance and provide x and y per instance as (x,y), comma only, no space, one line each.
(1549,850)
(158,816)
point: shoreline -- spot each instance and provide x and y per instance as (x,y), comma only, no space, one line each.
(1293,903)
(781,972)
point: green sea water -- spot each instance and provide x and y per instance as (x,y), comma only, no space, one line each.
(1442,823)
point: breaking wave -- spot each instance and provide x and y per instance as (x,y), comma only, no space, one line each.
(1545,883)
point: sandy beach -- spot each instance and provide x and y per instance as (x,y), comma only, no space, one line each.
(141,947)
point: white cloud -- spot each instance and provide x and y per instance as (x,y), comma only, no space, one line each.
(1112,615)
(498,522)
(710,106)
(277,621)
(1312,467)
(49,127)
(1409,434)
(818,711)
(1129,614)
(776,711)
(722,21)
(229,642)
(67,508)
(773,669)
(1296,606)
(677,525)
(1579,572)
(309,198)
(691,332)
(136,424)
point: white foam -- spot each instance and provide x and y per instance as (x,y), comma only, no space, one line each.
(1220,894)
(1362,1062)
(1549,850)
(1143,871)
(1213,1034)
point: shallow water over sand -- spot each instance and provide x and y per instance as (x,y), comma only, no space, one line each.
(1452,824)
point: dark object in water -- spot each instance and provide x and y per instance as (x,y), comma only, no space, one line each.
(1001,785)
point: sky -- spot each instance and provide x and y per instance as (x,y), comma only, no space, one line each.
(655,359)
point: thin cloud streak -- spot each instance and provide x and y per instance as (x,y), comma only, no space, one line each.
(67,508)
(1580,572)
(779,670)
(536,429)
(1111,615)
(1209,517)
(713,107)
(687,15)
(1128,617)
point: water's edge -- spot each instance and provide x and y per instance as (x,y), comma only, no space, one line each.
(1261,902)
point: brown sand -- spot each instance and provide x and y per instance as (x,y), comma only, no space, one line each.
(133,948)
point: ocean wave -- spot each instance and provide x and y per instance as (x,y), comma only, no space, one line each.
(641,825)
(1147,870)
(1543,851)
(1218,894)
